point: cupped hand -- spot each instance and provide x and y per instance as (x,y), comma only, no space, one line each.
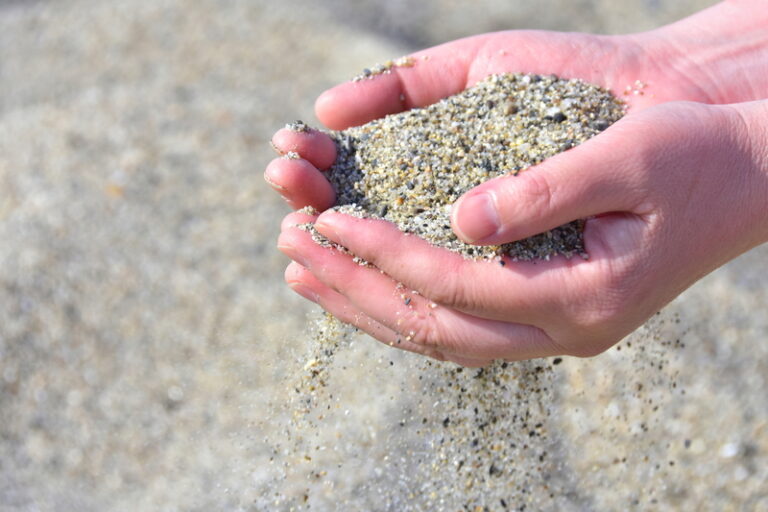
(672,192)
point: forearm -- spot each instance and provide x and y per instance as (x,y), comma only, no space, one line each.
(722,51)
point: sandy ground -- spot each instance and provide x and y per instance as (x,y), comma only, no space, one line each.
(144,327)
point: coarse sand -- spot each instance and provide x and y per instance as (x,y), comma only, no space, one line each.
(410,167)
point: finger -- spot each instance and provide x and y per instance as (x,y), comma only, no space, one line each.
(447,69)
(593,178)
(300,183)
(308,286)
(532,292)
(428,76)
(419,320)
(312,145)
(295,219)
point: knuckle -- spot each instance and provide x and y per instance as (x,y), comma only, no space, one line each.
(611,294)
(538,192)
(603,310)
(422,331)
(600,311)
(445,294)
(450,287)
(425,331)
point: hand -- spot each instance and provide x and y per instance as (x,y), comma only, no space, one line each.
(685,195)
(658,181)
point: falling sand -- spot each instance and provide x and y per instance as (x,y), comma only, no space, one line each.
(456,438)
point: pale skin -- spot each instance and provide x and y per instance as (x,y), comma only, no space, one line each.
(672,191)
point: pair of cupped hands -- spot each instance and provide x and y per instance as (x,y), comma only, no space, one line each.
(673,190)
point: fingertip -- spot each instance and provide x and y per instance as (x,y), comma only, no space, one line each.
(272,174)
(300,183)
(284,141)
(302,288)
(330,220)
(475,218)
(295,273)
(312,145)
(325,109)
(295,219)
(288,240)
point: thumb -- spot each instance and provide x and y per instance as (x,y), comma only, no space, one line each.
(591,179)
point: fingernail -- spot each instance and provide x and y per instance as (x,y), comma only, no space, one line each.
(304,291)
(292,253)
(476,218)
(277,149)
(328,225)
(274,185)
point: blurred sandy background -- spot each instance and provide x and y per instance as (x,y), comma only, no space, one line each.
(143,319)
